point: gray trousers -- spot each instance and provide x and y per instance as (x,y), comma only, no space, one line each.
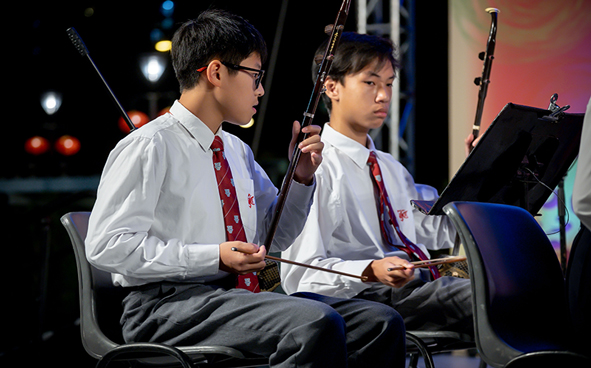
(302,330)
(443,304)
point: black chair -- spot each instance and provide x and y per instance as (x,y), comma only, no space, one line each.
(518,290)
(427,343)
(578,285)
(100,311)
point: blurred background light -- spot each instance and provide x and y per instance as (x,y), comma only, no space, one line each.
(167,8)
(250,123)
(163,46)
(36,145)
(67,145)
(51,101)
(152,66)
(156,35)
(138,119)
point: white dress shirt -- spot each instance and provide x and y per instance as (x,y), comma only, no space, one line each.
(582,187)
(343,231)
(158,214)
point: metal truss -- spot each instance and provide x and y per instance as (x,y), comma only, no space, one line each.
(395,19)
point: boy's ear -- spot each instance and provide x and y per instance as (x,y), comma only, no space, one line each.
(213,72)
(331,91)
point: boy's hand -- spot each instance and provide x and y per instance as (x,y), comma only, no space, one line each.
(470,143)
(247,257)
(377,271)
(311,148)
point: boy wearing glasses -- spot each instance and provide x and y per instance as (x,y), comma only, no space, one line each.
(348,228)
(179,196)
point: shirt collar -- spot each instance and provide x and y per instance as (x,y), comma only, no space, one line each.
(351,148)
(194,125)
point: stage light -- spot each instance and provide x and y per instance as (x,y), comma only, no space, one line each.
(152,66)
(163,46)
(36,145)
(51,101)
(138,119)
(67,145)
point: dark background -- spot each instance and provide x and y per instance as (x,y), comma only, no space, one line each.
(39,297)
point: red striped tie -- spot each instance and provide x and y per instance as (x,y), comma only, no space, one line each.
(409,247)
(230,209)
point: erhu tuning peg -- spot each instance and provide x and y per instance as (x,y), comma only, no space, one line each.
(481,55)
(328,29)
(477,81)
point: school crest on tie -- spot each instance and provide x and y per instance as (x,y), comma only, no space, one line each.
(229,229)
(379,178)
(236,218)
(217,166)
(232,181)
(247,281)
(227,191)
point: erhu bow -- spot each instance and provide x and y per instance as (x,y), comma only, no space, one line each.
(484,80)
(335,34)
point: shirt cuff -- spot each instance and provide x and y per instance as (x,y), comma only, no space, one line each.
(301,193)
(352,267)
(202,260)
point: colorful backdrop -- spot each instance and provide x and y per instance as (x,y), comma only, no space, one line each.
(543,47)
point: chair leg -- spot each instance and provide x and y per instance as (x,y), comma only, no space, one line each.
(143,348)
(423,350)
(413,361)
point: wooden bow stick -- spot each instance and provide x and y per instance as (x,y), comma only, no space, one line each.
(363,278)
(417,264)
(431,262)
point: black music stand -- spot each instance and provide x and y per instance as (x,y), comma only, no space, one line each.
(523,147)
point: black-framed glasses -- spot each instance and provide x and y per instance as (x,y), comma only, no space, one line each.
(257,77)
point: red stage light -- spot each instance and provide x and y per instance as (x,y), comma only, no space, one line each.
(36,145)
(138,119)
(67,145)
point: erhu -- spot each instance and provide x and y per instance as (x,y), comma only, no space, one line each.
(484,80)
(335,34)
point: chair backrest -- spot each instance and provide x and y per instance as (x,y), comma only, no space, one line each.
(100,300)
(578,284)
(519,299)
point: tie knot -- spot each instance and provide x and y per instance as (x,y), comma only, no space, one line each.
(372,159)
(217,144)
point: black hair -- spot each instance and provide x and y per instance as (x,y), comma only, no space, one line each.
(353,53)
(215,34)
